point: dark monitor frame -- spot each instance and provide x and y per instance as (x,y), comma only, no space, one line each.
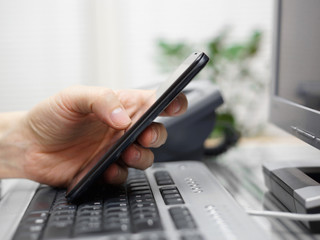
(301,121)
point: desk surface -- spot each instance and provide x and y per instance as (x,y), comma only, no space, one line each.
(240,171)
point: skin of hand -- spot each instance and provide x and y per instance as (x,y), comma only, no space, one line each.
(64,136)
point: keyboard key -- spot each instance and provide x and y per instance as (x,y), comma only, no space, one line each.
(139,189)
(43,200)
(182,218)
(27,235)
(163,178)
(192,237)
(115,227)
(88,226)
(170,191)
(58,229)
(87,219)
(147,224)
(171,195)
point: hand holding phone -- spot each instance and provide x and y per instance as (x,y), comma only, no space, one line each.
(165,94)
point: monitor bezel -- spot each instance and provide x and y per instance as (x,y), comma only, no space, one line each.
(301,121)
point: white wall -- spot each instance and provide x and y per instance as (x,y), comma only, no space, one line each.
(48,45)
(193,21)
(44,47)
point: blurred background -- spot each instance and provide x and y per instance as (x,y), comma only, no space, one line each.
(46,46)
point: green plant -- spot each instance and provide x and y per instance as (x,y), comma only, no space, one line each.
(231,65)
(220,51)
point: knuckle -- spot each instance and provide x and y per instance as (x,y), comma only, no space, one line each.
(105,93)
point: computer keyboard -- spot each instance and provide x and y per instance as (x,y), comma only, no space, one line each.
(179,200)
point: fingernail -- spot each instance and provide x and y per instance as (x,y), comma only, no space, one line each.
(176,105)
(119,117)
(137,154)
(154,136)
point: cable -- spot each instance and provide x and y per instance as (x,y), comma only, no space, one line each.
(286,215)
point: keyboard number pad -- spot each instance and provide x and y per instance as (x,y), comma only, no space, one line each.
(116,214)
(144,211)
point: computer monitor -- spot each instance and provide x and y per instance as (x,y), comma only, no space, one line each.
(295,104)
(295,100)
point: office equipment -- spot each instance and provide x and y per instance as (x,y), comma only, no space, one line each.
(187,133)
(296,185)
(295,103)
(175,200)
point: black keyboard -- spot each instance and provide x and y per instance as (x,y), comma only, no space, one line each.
(107,210)
(175,200)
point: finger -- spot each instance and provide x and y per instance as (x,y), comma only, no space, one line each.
(135,99)
(116,174)
(103,102)
(137,157)
(178,106)
(154,135)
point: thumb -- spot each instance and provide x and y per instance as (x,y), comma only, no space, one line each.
(103,102)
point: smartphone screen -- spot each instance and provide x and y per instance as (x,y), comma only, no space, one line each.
(164,95)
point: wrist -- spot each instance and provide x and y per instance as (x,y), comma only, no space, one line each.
(13,145)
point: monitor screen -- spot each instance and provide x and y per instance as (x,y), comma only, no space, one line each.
(295,103)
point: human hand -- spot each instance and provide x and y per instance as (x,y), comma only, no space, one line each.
(66,134)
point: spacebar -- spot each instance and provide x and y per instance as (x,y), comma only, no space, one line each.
(42,200)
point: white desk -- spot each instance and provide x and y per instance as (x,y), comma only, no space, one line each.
(240,171)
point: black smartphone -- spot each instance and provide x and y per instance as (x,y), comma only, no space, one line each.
(166,92)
